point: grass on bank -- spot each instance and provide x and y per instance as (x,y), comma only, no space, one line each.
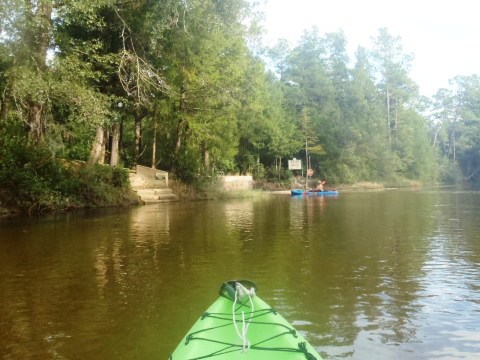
(211,191)
(367,186)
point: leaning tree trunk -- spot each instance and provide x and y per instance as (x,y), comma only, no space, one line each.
(97,147)
(114,151)
(178,143)
(139,114)
(35,122)
(154,143)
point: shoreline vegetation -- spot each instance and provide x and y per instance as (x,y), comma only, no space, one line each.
(91,89)
(39,186)
(75,187)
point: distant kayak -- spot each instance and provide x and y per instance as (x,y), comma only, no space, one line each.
(296,192)
(241,326)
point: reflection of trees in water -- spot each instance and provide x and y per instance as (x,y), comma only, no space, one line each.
(379,278)
(451,282)
(359,275)
(370,256)
(51,302)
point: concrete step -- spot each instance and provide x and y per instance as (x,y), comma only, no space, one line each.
(152,196)
(149,192)
(158,201)
(138,182)
(145,192)
(159,192)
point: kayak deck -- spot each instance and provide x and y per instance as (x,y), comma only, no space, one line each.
(248,328)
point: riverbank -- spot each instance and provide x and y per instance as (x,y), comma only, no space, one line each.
(125,201)
(104,186)
(262,188)
(360,186)
(59,186)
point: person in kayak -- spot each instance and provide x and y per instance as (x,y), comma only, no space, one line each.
(320,185)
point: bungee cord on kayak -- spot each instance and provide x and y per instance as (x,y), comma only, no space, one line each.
(241,293)
(202,335)
(239,325)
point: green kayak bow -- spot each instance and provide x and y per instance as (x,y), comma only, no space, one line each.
(240,325)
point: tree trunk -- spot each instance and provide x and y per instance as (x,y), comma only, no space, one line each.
(178,144)
(42,35)
(437,130)
(205,156)
(279,167)
(114,151)
(181,123)
(139,115)
(454,148)
(154,144)
(206,159)
(40,39)
(138,138)
(103,154)
(396,120)
(35,122)
(4,104)
(97,147)
(388,115)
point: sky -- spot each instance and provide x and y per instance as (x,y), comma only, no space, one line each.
(442,35)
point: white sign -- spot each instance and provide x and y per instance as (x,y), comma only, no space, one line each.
(295,164)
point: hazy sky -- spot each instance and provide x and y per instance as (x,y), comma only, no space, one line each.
(443,35)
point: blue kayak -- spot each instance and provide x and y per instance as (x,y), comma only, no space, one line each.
(296,192)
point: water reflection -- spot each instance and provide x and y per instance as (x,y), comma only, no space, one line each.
(366,275)
(450,286)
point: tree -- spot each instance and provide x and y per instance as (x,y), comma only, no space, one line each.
(364,152)
(27,29)
(316,108)
(120,42)
(392,68)
(458,113)
(206,63)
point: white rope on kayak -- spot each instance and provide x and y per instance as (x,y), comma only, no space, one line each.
(241,292)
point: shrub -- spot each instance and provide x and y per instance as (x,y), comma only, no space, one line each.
(33,181)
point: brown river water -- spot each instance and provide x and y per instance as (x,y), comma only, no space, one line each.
(365,275)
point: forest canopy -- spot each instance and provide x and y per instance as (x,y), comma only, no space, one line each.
(186,86)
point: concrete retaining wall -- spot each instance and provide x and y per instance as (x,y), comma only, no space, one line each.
(236,182)
(154,177)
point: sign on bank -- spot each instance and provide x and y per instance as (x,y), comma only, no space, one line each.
(295,164)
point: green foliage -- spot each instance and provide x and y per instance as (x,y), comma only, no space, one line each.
(30,178)
(275,174)
(32,181)
(258,171)
(188,167)
(102,186)
(457,125)
(188,80)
